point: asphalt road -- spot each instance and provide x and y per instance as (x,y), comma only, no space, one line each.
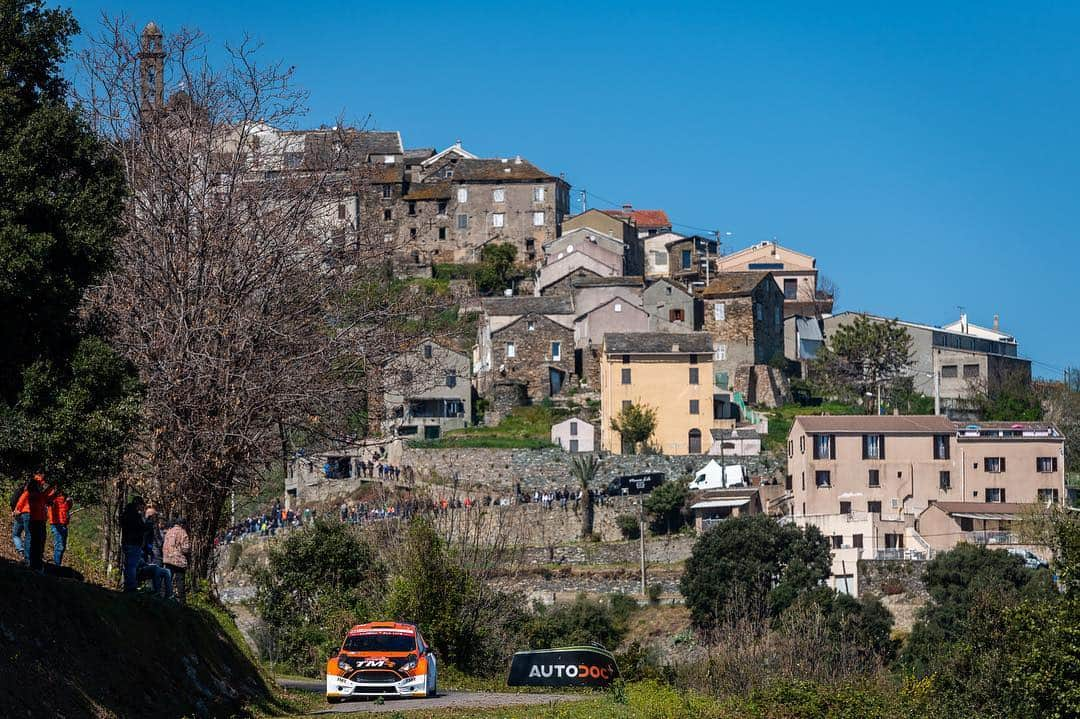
(462,700)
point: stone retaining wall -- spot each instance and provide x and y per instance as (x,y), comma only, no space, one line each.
(501,469)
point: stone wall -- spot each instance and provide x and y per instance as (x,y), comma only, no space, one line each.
(550,467)
(503,397)
(899,585)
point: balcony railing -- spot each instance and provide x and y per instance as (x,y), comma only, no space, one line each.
(900,553)
(991,537)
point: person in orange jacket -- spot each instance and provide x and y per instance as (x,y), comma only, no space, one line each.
(40,496)
(20,521)
(59,513)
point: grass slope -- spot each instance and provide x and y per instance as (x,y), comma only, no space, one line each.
(78,650)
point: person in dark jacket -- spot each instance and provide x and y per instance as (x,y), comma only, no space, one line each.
(132,540)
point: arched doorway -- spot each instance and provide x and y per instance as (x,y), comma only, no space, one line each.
(693,441)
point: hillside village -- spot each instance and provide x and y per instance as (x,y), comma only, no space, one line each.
(610,309)
(295,417)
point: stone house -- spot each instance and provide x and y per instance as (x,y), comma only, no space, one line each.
(657,264)
(619,228)
(647,222)
(744,314)
(615,315)
(969,360)
(477,201)
(667,301)
(690,259)
(794,272)
(427,390)
(557,277)
(530,339)
(574,435)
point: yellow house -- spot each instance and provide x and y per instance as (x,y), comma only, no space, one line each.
(671,373)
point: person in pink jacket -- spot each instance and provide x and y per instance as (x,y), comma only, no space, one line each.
(176,552)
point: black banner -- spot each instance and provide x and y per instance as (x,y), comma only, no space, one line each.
(565,667)
(636,483)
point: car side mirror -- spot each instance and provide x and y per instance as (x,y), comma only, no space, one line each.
(336,654)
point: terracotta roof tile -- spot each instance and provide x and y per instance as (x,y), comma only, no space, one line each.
(644,219)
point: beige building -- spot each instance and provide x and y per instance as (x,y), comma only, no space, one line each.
(795,274)
(969,360)
(856,536)
(897,466)
(430,392)
(671,373)
(657,264)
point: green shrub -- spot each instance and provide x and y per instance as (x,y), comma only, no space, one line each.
(654,592)
(628,526)
(583,621)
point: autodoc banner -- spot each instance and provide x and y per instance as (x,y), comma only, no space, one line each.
(565,667)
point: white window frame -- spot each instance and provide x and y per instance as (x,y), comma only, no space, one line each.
(498,219)
(719,312)
(720,352)
(511,350)
(556,351)
(538,194)
(463,194)
(538,218)
(498,195)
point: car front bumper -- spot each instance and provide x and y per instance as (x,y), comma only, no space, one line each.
(340,687)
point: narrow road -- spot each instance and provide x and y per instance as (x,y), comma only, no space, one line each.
(463,700)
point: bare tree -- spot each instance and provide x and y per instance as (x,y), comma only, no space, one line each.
(251,290)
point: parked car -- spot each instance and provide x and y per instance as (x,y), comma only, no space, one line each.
(1031,560)
(382,659)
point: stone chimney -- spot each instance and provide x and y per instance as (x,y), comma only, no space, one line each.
(675,347)
(627,207)
(997,323)
(963,322)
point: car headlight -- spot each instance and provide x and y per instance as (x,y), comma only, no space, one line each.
(343,665)
(408,666)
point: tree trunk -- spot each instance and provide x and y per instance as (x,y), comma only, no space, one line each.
(586,513)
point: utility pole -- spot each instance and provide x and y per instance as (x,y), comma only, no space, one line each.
(641,538)
(937,392)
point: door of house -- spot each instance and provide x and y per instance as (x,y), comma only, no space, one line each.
(556,377)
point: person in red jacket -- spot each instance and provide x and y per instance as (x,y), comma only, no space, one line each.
(40,496)
(59,513)
(20,521)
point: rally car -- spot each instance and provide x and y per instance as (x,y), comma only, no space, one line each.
(382,659)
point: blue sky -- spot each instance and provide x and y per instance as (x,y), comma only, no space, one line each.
(926,153)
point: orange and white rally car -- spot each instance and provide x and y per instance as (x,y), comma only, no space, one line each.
(382,659)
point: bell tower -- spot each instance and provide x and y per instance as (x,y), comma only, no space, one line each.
(152,68)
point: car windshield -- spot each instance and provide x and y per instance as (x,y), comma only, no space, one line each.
(379,643)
